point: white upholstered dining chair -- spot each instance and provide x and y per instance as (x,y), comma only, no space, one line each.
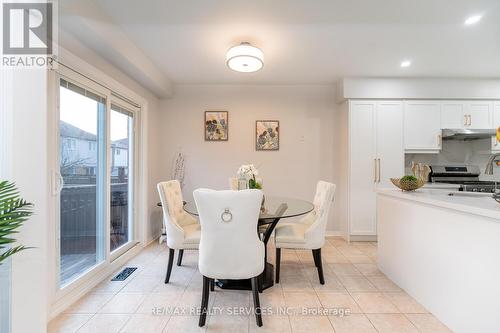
(309,232)
(229,246)
(183,230)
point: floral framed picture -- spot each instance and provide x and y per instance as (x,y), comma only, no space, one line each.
(267,135)
(216,125)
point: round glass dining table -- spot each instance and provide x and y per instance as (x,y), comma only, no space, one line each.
(273,210)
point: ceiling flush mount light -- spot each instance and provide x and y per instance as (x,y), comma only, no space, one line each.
(405,63)
(245,58)
(473,20)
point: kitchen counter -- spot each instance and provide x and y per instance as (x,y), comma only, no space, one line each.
(444,251)
(443,186)
(467,202)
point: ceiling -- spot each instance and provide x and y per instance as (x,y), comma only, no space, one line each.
(304,41)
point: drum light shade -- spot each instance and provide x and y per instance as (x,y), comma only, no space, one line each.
(245,58)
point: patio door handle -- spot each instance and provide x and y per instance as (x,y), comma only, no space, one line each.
(378,177)
(58,183)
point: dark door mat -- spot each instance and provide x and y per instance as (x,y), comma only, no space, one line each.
(125,273)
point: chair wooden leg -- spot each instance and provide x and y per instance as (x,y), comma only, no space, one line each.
(256,302)
(278,264)
(319,264)
(179,257)
(171,253)
(204,301)
(212,284)
(315,257)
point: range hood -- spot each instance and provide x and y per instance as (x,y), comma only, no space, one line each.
(468,134)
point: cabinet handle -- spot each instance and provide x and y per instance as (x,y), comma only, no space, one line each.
(375,170)
(465,120)
(470,120)
(379,170)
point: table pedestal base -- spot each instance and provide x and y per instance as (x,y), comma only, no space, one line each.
(266,281)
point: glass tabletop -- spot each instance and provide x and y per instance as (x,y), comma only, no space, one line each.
(273,207)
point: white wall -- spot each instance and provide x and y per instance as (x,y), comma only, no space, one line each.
(24,162)
(308,136)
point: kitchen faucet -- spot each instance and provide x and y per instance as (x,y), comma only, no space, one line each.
(489,165)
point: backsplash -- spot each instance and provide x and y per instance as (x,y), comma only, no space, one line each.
(476,152)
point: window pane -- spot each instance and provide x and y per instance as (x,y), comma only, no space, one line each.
(81,157)
(121,181)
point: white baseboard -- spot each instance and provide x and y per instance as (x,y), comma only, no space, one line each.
(363,238)
(334,233)
(65,302)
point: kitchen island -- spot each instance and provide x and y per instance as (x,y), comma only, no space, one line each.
(445,252)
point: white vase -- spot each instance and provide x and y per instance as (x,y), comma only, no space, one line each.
(242,184)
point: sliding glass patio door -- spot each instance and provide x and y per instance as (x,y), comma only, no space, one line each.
(82,155)
(96,169)
(121,169)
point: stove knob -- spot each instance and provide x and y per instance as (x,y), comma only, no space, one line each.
(474,190)
(482,190)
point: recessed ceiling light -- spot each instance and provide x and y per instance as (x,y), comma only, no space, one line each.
(405,63)
(473,20)
(245,58)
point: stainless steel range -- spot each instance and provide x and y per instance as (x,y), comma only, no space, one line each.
(466,176)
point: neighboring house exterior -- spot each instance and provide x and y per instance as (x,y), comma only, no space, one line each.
(79,154)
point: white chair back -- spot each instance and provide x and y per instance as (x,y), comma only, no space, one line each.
(315,234)
(229,246)
(173,212)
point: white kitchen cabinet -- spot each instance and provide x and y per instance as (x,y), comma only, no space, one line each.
(466,115)
(422,126)
(362,173)
(496,115)
(375,155)
(453,115)
(479,114)
(389,143)
(495,145)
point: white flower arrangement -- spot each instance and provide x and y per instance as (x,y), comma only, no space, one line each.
(249,172)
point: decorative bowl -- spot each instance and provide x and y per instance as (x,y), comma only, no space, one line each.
(408,185)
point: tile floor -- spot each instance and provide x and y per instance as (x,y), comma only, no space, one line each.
(356,298)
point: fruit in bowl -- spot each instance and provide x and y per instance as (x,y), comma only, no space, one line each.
(408,183)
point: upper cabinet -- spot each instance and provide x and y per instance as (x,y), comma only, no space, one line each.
(453,114)
(479,114)
(466,115)
(425,120)
(496,115)
(422,126)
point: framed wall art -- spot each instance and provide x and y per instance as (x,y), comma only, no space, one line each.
(216,125)
(267,135)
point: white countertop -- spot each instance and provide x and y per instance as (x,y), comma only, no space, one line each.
(442,186)
(467,202)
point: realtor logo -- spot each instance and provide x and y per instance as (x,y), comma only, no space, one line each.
(27,28)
